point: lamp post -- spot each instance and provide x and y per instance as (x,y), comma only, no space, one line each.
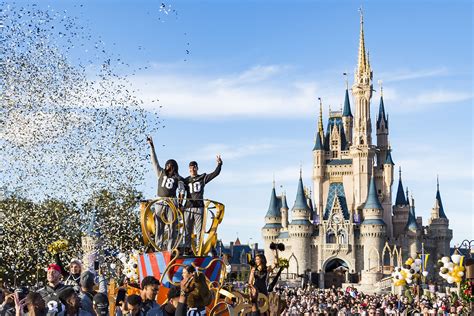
(467,245)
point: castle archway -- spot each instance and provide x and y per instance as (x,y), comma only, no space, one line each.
(335,272)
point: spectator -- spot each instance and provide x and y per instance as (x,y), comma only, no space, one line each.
(49,293)
(101,304)
(35,304)
(169,308)
(149,289)
(72,303)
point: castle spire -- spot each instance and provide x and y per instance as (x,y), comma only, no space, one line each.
(411,223)
(400,199)
(362,59)
(382,117)
(300,201)
(438,200)
(347,106)
(320,121)
(273,210)
(372,201)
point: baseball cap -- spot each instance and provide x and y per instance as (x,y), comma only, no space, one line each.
(54,266)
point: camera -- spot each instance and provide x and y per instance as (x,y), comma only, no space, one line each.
(22,292)
(250,260)
(279,246)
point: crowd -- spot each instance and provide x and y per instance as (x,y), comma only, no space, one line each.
(349,301)
(84,293)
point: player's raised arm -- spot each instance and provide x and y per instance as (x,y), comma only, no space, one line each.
(216,172)
(154,159)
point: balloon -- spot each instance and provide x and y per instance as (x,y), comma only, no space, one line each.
(409,281)
(456,258)
(460,274)
(418,261)
(450,279)
(425,273)
(445,259)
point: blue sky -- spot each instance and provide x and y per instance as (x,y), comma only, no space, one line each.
(241,79)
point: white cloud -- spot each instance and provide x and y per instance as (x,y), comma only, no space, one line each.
(403,75)
(403,102)
(273,91)
(261,91)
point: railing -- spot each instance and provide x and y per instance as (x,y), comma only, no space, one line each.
(334,247)
(385,283)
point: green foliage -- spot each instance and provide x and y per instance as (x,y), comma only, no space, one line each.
(27,228)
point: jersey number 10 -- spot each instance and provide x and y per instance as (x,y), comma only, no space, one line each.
(194,187)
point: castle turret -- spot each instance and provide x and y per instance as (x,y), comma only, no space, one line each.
(361,150)
(272,227)
(373,232)
(319,165)
(362,92)
(400,209)
(284,211)
(439,225)
(90,242)
(300,230)
(412,231)
(347,118)
(387,192)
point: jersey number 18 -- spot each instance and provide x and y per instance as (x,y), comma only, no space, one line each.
(167,182)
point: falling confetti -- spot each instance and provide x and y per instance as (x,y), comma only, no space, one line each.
(72,141)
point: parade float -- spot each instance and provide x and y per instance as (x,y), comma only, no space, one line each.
(167,265)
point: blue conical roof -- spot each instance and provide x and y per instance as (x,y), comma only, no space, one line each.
(372,201)
(318,145)
(92,230)
(400,200)
(273,209)
(300,202)
(347,106)
(440,204)
(284,204)
(382,115)
(411,223)
(388,159)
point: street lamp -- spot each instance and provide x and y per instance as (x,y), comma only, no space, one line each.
(469,246)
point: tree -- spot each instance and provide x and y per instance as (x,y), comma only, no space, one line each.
(27,230)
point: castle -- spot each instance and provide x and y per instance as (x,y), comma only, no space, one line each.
(349,227)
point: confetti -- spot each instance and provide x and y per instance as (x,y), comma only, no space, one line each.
(72,141)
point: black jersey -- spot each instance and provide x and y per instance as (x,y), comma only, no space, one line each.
(167,185)
(195,187)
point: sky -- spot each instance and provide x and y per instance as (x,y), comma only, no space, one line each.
(241,79)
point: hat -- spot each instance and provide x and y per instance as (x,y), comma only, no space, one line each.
(101,303)
(65,293)
(54,266)
(87,279)
(134,299)
(173,292)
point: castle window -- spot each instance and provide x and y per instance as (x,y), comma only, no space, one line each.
(330,237)
(342,237)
